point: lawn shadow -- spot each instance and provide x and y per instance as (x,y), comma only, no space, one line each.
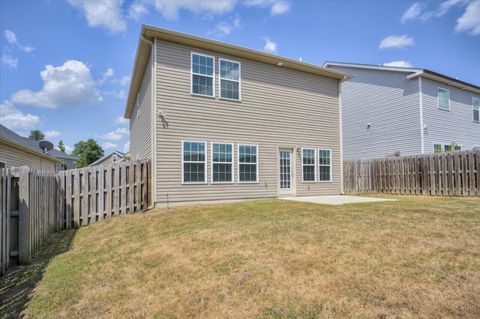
(16,287)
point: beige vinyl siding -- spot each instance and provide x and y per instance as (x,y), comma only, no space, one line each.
(140,128)
(13,157)
(279,108)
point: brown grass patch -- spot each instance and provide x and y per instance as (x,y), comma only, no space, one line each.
(417,257)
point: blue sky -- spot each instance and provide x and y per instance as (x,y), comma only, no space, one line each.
(65,64)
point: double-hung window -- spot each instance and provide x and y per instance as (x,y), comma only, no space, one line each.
(203,74)
(229,79)
(194,162)
(222,163)
(324,165)
(248,163)
(476,108)
(308,164)
(443,99)
(2,165)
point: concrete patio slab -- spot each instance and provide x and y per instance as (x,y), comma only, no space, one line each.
(336,199)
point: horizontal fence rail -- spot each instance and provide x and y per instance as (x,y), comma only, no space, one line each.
(34,203)
(442,174)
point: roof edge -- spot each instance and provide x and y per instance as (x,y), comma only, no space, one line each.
(328,64)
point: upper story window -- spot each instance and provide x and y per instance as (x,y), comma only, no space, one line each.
(325,165)
(2,165)
(114,158)
(222,163)
(194,162)
(443,99)
(308,164)
(229,79)
(203,74)
(247,164)
(476,108)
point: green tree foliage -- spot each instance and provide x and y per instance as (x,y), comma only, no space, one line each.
(87,152)
(36,135)
(61,146)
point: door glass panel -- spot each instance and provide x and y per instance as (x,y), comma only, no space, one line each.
(285,170)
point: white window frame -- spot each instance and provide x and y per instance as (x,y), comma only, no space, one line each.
(331,165)
(438,98)
(212,76)
(212,162)
(4,164)
(473,108)
(314,164)
(239,80)
(205,162)
(238,164)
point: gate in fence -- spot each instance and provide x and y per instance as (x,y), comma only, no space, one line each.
(34,204)
(442,174)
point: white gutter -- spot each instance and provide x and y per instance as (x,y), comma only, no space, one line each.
(422,128)
(153,114)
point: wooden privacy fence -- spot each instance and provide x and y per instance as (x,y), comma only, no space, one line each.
(89,194)
(34,204)
(442,174)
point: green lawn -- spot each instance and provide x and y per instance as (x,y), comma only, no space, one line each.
(416,257)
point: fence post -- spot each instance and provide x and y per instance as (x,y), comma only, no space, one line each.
(24,240)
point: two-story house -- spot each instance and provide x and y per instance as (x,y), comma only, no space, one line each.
(393,110)
(223,122)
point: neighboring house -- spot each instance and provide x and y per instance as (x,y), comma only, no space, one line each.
(112,158)
(16,150)
(222,122)
(67,161)
(388,110)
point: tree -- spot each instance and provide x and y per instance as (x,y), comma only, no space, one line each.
(87,152)
(61,146)
(36,135)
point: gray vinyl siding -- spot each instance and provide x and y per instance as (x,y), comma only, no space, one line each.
(445,126)
(389,102)
(13,157)
(279,108)
(140,128)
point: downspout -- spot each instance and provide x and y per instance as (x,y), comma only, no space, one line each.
(422,128)
(342,192)
(153,114)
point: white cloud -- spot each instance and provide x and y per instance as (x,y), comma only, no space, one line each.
(412,13)
(137,10)
(401,63)
(396,41)
(12,39)
(120,94)
(226,27)
(106,75)
(109,145)
(13,118)
(270,45)
(126,147)
(123,81)
(68,149)
(116,135)
(470,20)
(70,84)
(52,134)
(279,7)
(105,14)
(121,120)
(170,8)
(417,11)
(9,61)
